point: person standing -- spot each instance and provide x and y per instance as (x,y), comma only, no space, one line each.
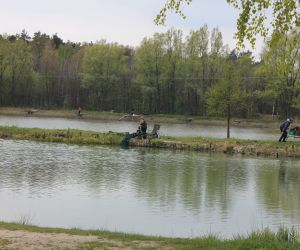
(143,128)
(283,129)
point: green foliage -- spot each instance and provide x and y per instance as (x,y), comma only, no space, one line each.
(149,71)
(17,70)
(173,5)
(281,60)
(225,97)
(225,94)
(253,19)
(167,73)
(104,66)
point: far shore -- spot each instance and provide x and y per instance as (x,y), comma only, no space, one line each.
(258,122)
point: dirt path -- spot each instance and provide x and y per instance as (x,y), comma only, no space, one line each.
(41,241)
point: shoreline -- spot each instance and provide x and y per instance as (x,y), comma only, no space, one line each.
(154,118)
(21,236)
(199,144)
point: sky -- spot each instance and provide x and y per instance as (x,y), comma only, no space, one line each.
(123,21)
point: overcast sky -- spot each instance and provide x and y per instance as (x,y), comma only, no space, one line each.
(124,21)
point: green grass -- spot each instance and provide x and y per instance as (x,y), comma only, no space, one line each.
(202,144)
(263,239)
(60,135)
(4,243)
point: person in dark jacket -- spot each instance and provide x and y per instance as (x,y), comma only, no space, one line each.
(283,129)
(143,128)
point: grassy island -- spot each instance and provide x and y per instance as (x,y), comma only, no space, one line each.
(228,146)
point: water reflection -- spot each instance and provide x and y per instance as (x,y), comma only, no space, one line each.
(146,191)
(280,189)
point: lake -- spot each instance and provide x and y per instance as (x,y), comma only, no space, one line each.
(153,192)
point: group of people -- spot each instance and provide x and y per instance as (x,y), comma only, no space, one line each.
(142,129)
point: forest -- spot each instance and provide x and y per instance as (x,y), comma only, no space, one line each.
(168,73)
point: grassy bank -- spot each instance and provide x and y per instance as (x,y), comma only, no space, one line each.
(228,146)
(72,136)
(95,239)
(261,122)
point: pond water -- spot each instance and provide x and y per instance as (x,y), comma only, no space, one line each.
(187,129)
(153,192)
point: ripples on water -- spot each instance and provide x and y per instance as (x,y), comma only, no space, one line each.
(158,192)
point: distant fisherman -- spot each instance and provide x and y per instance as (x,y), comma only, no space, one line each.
(283,129)
(142,130)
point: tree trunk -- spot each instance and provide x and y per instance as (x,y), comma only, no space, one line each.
(12,90)
(228,121)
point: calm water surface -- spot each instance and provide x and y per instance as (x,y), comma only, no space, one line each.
(179,194)
(128,126)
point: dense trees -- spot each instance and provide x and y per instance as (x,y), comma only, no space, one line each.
(281,66)
(105,76)
(167,73)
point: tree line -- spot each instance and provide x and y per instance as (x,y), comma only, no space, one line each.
(167,73)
